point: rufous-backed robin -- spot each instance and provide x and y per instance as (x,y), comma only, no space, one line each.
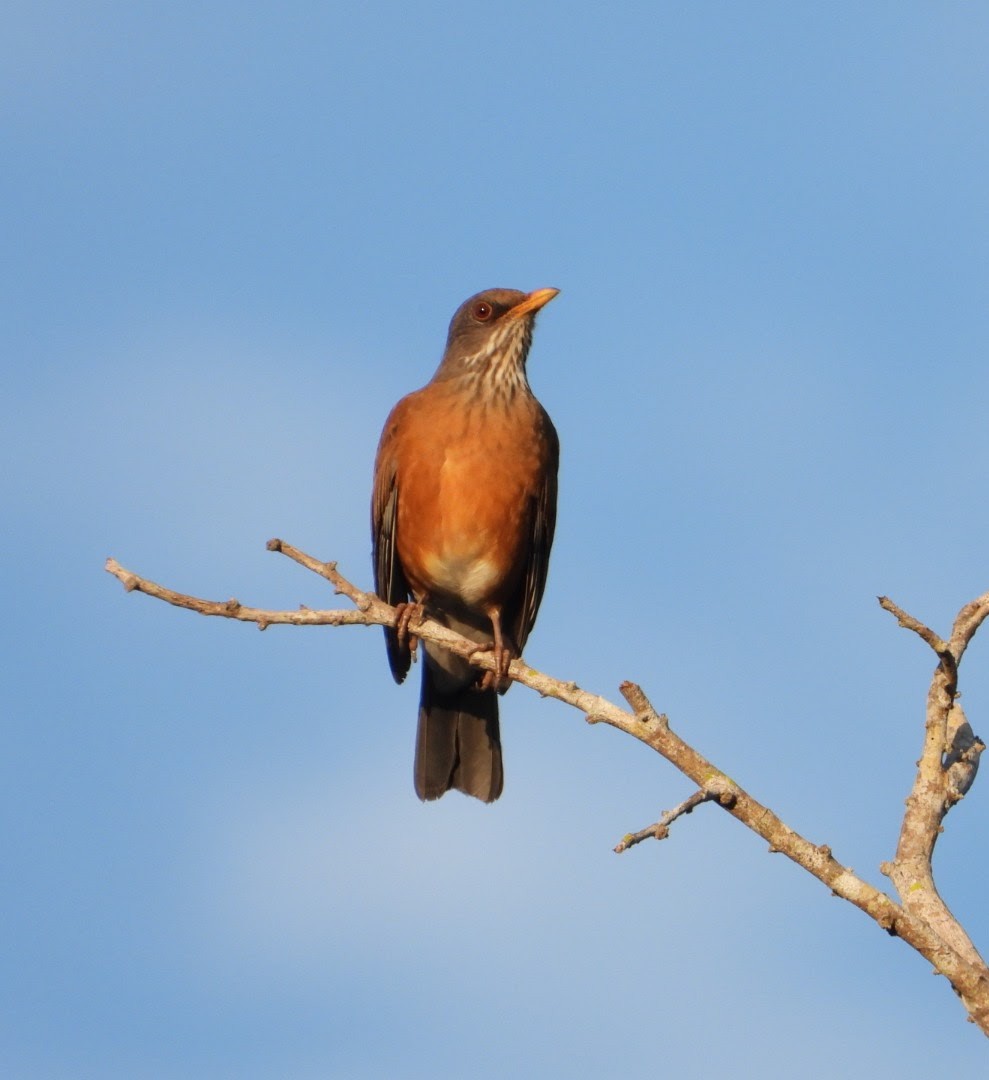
(462,518)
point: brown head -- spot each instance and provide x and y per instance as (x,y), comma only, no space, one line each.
(489,338)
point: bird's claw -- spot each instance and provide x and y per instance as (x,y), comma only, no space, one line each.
(408,613)
(497,679)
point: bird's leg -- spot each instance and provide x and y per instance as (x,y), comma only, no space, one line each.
(504,652)
(408,613)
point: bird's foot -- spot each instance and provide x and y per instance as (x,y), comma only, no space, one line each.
(408,613)
(497,679)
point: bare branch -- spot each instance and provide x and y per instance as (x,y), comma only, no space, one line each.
(971,981)
(233,609)
(661,830)
(908,622)
(967,622)
(375,613)
(945,772)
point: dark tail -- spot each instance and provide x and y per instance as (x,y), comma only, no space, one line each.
(458,744)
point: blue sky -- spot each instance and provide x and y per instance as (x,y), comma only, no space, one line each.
(232,237)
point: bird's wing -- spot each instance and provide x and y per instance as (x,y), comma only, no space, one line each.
(389,578)
(542,525)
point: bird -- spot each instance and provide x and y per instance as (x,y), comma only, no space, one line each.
(463,513)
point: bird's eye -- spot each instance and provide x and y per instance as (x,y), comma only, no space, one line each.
(483,311)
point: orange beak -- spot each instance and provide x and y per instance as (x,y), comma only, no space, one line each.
(533,302)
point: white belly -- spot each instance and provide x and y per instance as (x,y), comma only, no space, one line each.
(467,576)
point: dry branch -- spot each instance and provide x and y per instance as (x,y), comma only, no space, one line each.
(661,830)
(946,769)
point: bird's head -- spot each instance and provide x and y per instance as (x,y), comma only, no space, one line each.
(490,335)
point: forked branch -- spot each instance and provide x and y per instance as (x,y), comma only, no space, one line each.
(945,772)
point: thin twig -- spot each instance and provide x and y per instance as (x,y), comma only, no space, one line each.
(233,609)
(661,830)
